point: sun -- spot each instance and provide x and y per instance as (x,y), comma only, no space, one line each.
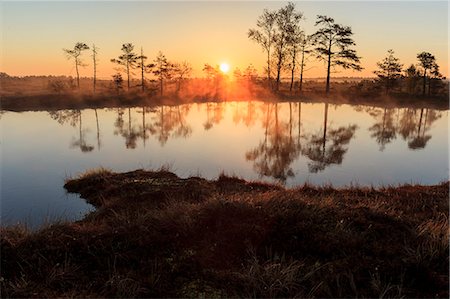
(224,67)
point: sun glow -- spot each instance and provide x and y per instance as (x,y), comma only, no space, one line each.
(224,67)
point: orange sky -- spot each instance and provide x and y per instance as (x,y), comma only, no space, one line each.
(34,33)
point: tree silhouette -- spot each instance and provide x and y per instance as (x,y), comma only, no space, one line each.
(305,43)
(426,61)
(75,53)
(264,36)
(412,77)
(94,64)
(127,60)
(332,44)
(163,70)
(390,70)
(286,34)
(295,43)
(215,76)
(118,82)
(145,68)
(435,77)
(182,71)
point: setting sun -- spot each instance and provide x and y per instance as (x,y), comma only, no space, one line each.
(224,67)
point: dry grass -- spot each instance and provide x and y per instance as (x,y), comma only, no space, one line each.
(156,235)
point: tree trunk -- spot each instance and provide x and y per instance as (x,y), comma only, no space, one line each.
(142,70)
(95,66)
(128,75)
(424,81)
(280,55)
(78,75)
(268,69)
(301,70)
(328,73)
(329,68)
(294,54)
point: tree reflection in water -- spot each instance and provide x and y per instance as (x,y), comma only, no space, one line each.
(73,117)
(384,130)
(274,155)
(419,140)
(170,122)
(214,114)
(329,147)
(126,129)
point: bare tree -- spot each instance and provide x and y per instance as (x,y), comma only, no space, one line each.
(94,63)
(426,61)
(389,70)
(264,35)
(332,44)
(305,50)
(75,53)
(127,60)
(145,68)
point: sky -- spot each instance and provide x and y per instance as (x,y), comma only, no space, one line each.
(213,32)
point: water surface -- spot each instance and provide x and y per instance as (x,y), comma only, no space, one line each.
(287,143)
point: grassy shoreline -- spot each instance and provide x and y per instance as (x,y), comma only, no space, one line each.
(154,234)
(21,103)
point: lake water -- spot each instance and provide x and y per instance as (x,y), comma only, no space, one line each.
(288,143)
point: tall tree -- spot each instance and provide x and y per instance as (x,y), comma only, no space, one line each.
(426,61)
(287,27)
(332,44)
(75,53)
(294,46)
(128,60)
(389,70)
(145,68)
(264,35)
(305,50)
(94,64)
(163,70)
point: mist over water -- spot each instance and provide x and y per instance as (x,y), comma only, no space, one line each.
(286,143)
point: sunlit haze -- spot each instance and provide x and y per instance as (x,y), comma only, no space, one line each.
(34,33)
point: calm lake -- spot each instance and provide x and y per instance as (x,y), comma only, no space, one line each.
(288,143)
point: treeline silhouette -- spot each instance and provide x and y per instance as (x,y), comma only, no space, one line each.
(289,52)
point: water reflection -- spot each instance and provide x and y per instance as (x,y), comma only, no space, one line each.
(384,130)
(282,139)
(276,152)
(411,124)
(329,146)
(170,122)
(73,117)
